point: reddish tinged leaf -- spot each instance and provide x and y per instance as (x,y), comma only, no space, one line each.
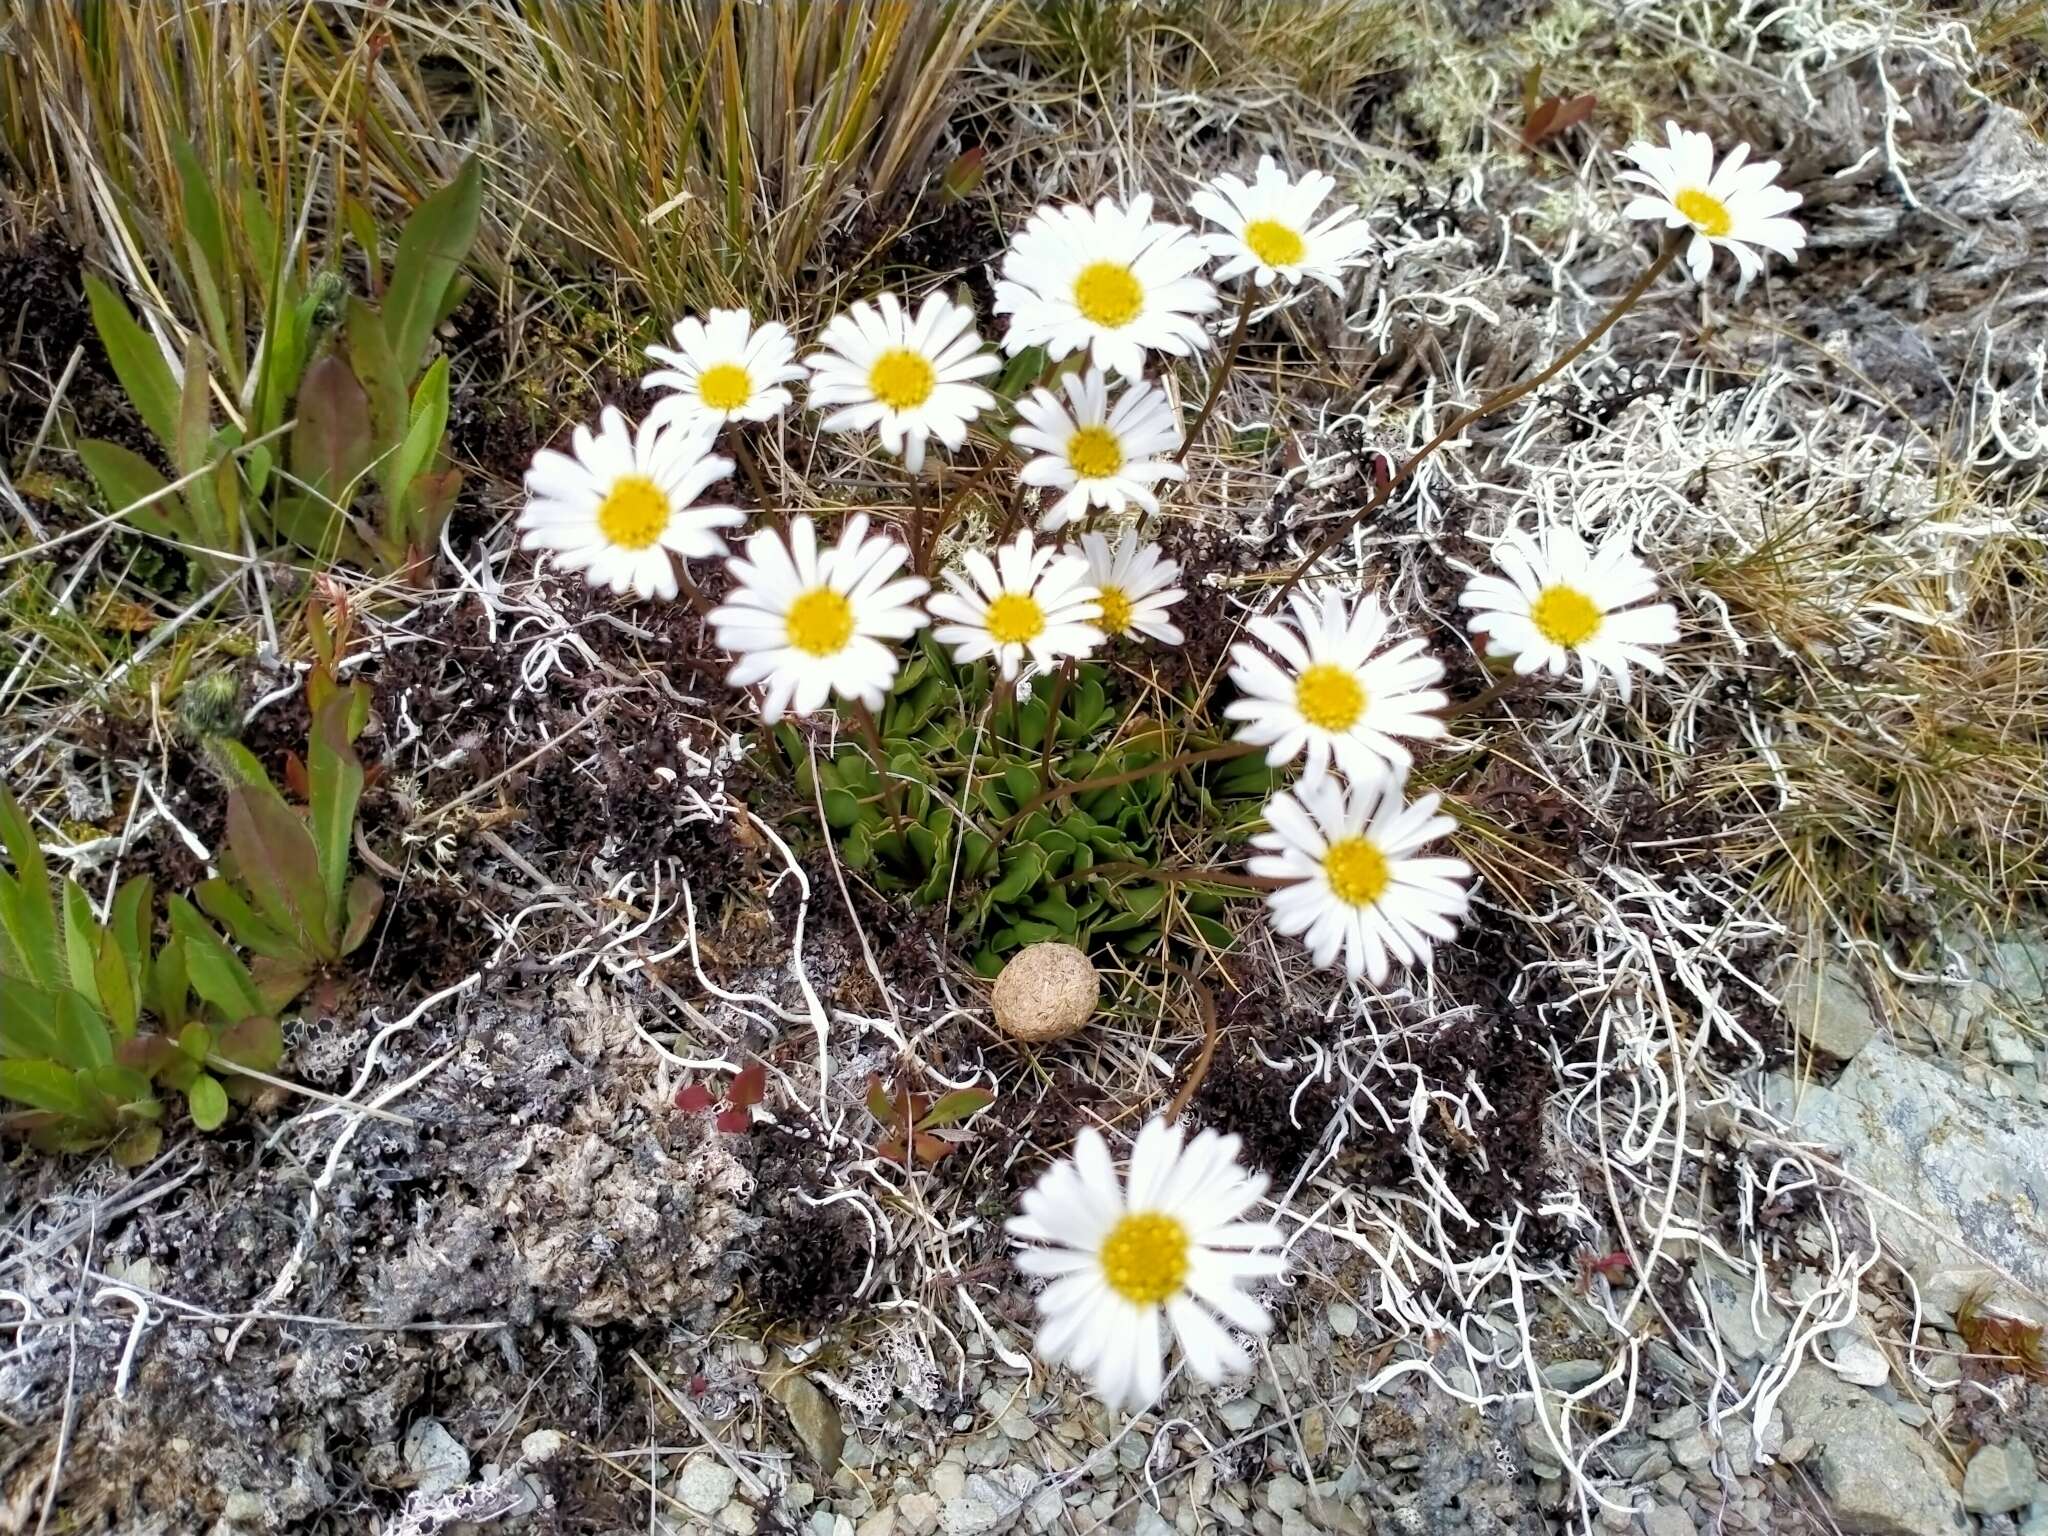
(734,1120)
(964,174)
(878,1100)
(1554,116)
(295,778)
(695,1098)
(750,1087)
(890,1149)
(930,1149)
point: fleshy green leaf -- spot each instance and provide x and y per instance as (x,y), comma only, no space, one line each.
(208,1102)
(43,1085)
(334,776)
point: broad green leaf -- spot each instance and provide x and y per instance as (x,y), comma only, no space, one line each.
(1022,868)
(425,423)
(431,249)
(842,810)
(83,1039)
(332,443)
(115,984)
(206,245)
(28,1020)
(126,478)
(81,939)
(334,778)
(26,908)
(132,918)
(954,1107)
(208,1102)
(365,900)
(255,1042)
(138,361)
(276,859)
(216,975)
(170,987)
(43,1085)
(137,1145)
(219,900)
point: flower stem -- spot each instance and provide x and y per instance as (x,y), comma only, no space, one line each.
(1223,366)
(1129,776)
(892,791)
(1484,697)
(690,589)
(1479,412)
(751,467)
(1052,719)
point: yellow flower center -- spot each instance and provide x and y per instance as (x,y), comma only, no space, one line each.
(1094,452)
(820,622)
(1015,618)
(724,386)
(1145,1258)
(1357,871)
(1329,697)
(635,514)
(1274,243)
(1706,212)
(1108,295)
(901,379)
(1565,616)
(1115,617)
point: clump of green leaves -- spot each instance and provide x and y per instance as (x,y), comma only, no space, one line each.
(285,893)
(96,1018)
(978,812)
(362,474)
(909,1118)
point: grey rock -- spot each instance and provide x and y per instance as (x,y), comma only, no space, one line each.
(1749,1325)
(812,1416)
(705,1484)
(437,1459)
(918,1513)
(1666,1520)
(1828,1010)
(1240,1413)
(1880,1478)
(1692,1451)
(1973,1166)
(1857,1355)
(1679,1421)
(2019,968)
(2009,1048)
(1653,1466)
(1570,1375)
(2000,1479)
(1343,1319)
(990,1502)
(1151,1523)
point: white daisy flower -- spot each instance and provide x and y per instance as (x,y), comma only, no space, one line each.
(723,368)
(1134,587)
(1734,207)
(1170,1242)
(1101,456)
(812,623)
(1328,689)
(1559,600)
(625,502)
(1270,229)
(1354,887)
(1110,279)
(1030,602)
(909,379)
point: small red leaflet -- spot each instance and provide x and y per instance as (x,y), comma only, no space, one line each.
(749,1087)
